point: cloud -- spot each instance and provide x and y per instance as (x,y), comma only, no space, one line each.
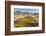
(26,10)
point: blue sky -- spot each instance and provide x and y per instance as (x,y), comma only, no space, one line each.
(26,10)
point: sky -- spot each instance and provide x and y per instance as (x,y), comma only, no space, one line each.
(26,10)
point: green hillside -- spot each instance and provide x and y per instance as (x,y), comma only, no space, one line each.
(24,22)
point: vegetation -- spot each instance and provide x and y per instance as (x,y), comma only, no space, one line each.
(25,19)
(26,22)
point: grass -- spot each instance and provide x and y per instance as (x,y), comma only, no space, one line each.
(26,21)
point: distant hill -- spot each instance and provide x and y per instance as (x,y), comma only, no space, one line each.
(25,13)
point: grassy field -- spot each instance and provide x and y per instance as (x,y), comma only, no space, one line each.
(27,21)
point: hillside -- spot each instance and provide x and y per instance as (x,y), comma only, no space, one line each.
(26,21)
